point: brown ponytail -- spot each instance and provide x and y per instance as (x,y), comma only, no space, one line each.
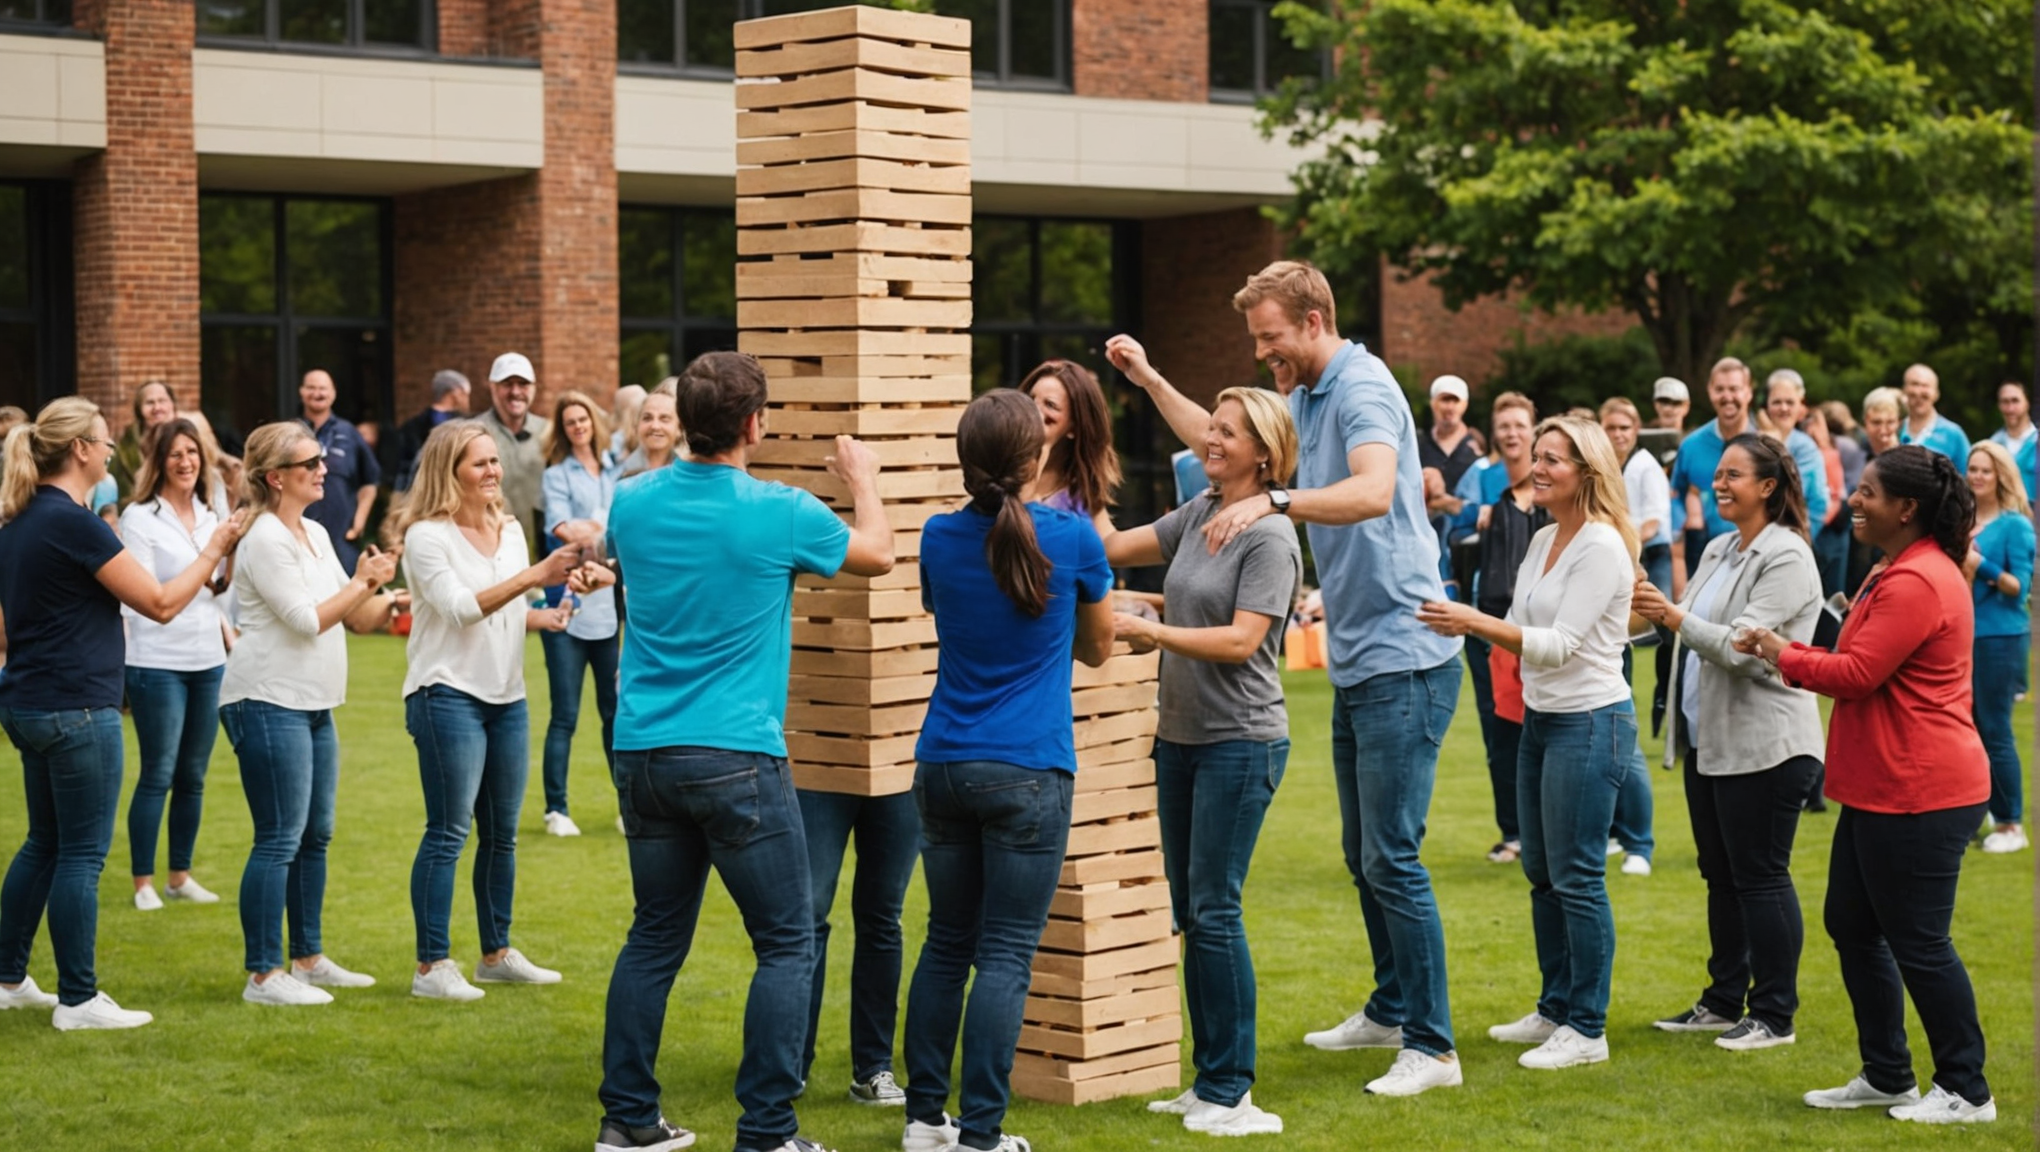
(998,441)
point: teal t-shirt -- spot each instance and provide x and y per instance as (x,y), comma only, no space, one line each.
(708,556)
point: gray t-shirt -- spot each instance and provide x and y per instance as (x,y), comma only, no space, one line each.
(1260,571)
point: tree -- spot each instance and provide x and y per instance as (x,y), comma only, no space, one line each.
(1697,163)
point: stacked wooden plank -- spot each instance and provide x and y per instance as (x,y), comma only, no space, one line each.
(853,290)
(1103,1017)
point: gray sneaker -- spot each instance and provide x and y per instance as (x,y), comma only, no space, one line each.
(1355,1031)
(1751,1035)
(1858,1093)
(880,1091)
(1695,1019)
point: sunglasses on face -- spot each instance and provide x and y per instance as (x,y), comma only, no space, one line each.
(309,464)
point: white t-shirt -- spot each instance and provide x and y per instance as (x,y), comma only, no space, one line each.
(452,643)
(1575,620)
(281,657)
(156,538)
(1650,497)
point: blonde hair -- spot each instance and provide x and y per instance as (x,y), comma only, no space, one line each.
(1603,496)
(556,446)
(435,489)
(38,450)
(1508,400)
(2011,487)
(1623,405)
(268,449)
(1884,400)
(1294,284)
(1271,426)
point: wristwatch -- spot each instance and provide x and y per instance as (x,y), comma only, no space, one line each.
(1278,498)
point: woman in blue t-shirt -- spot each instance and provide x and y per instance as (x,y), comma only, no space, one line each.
(1016,589)
(2000,567)
(63,579)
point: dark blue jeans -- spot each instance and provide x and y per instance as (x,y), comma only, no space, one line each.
(473,759)
(177,715)
(290,770)
(686,810)
(1386,731)
(1831,555)
(1743,827)
(1997,673)
(888,831)
(1499,737)
(1213,798)
(568,659)
(1574,765)
(1657,566)
(70,768)
(993,837)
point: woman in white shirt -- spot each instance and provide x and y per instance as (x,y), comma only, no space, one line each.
(285,676)
(1570,622)
(173,670)
(464,562)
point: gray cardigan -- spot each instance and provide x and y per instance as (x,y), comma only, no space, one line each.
(1750,720)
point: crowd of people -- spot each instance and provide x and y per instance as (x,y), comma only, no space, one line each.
(1542,555)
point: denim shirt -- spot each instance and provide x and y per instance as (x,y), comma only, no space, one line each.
(573,493)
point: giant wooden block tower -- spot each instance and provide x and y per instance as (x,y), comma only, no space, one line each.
(853,290)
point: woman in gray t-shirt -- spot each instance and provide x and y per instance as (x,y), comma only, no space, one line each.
(1224,735)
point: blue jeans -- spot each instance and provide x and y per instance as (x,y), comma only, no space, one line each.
(290,770)
(1213,798)
(993,837)
(1998,672)
(567,661)
(1636,806)
(1657,566)
(685,810)
(473,759)
(1386,731)
(1573,766)
(70,768)
(177,715)
(888,831)
(1499,736)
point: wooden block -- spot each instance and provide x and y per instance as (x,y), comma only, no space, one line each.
(858,236)
(836,23)
(920,484)
(854,312)
(829,55)
(867,664)
(1090,807)
(1094,901)
(851,143)
(890,780)
(848,752)
(1108,777)
(1137,863)
(1104,1010)
(859,690)
(1126,669)
(810,121)
(1139,1082)
(947,93)
(854,172)
(1119,1063)
(853,266)
(902,576)
(867,390)
(1101,1041)
(842,720)
(853,204)
(875,366)
(904,453)
(936,420)
(1045,984)
(1134,751)
(1112,729)
(854,343)
(863,635)
(844,604)
(1112,698)
(1145,957)
(829,287)
(1101,935)
(1095,839)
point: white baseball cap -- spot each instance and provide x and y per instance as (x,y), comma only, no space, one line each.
(1449,386)
(1668,388)
(512,364)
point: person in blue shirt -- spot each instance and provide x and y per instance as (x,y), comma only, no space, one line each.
(710,555)
(1785,403)
(1360,491)
(1728,389)
(2000,567)
(2019,436)
(352,472)
(1016,589)
(1188,469)
(1925,426)
(578,484)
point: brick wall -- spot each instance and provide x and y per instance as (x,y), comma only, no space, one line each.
(136,212)
(466,264)
(1421,339)
(1141,49)
(1191,266)
(482,28)
(577,195)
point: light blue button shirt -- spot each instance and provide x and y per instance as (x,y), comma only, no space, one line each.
(1375,573)
(571,492)
(1812,475)
(1943,436)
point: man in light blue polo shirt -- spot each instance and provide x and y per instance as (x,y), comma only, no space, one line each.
(2019,436)
(1785,404)
(1926,427)
(1360,491)
(1728,389)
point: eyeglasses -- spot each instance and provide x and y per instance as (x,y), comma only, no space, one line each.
(310,464)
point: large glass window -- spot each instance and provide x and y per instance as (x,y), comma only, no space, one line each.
(35,12)
(36,347)
(1251,55)
(374,24)
(1019,43)
(288,284)
(676,287)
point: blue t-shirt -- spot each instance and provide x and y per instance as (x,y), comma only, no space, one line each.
(1002,683)
(1375,573)
(708,555)
(65,646)
(1812,475)
(2006,544)
(1699,455)
(2026,454)
(1943,436)
(350,466)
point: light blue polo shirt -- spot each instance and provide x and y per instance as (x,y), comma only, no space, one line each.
(1812,475)
(1943,436)
(1375,573)
(2026,454)
(1699,455)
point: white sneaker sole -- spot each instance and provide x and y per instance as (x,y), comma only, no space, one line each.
(1830,1104)
(1325,1043)
(1755,1046)
(1577,1061)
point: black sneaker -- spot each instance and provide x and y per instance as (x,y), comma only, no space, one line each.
(1752,1034)
(660,1137)
(1695,1019)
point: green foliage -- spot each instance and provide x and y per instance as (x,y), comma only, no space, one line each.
(1576,371)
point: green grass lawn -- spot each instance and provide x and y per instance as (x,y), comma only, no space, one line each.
(378,1069)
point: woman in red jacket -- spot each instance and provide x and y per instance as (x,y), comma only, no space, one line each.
(1910,773)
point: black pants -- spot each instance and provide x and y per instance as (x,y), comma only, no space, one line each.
(1891,895)
(1743,828)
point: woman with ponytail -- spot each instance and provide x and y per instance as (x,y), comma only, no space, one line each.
(63,579)
(1906,766)
(1016,589)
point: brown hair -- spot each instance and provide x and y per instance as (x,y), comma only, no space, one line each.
(557,447)
(715,395)
(998,441)
(141,390)
(156,445)
(1085,459)
(1786,506)
(1297,286)
(1508,400)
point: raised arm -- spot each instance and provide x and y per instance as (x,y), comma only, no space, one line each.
(870,552)
(1185,417)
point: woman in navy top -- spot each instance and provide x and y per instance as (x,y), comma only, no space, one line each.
(63,579)
(2000,567)
(1016,590)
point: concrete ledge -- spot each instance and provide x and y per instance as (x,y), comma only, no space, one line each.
(53,98)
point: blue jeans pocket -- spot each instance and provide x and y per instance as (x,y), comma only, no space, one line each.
(46,732)
(1278,763)
(725,807)
(1011,809)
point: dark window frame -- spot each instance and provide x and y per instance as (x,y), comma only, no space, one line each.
(355,43)
(51,306)
(1264,28)
(43,21)
(680,322)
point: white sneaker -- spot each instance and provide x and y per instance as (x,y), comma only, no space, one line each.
(1355,1031)
(326,974)
(1176,1106)
(191,890)
(513,968)
(561,824)
(1634,865)
(443,982)
(880,1091)
(1565,1049)
(98,1012)
(1614,846)
(2012,839)
(282,988)
(1944,1107)
(930,1137)
(1242,1119)
(146,899)
(1858,1093)
(1531,1029)
(25,995)
(1415,1072)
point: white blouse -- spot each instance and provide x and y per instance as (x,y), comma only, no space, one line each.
(452,642)
(281,657)
(1575,620)
(156,538)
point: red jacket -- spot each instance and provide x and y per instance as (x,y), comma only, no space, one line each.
(1901,739)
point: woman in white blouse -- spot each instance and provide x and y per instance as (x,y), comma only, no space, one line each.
(464,562)
(285,676)
(1570,622)
(173,670)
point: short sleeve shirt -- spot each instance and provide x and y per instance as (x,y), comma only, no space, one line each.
(1261,570)
(65,647)
(1699,455)
(350,466)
